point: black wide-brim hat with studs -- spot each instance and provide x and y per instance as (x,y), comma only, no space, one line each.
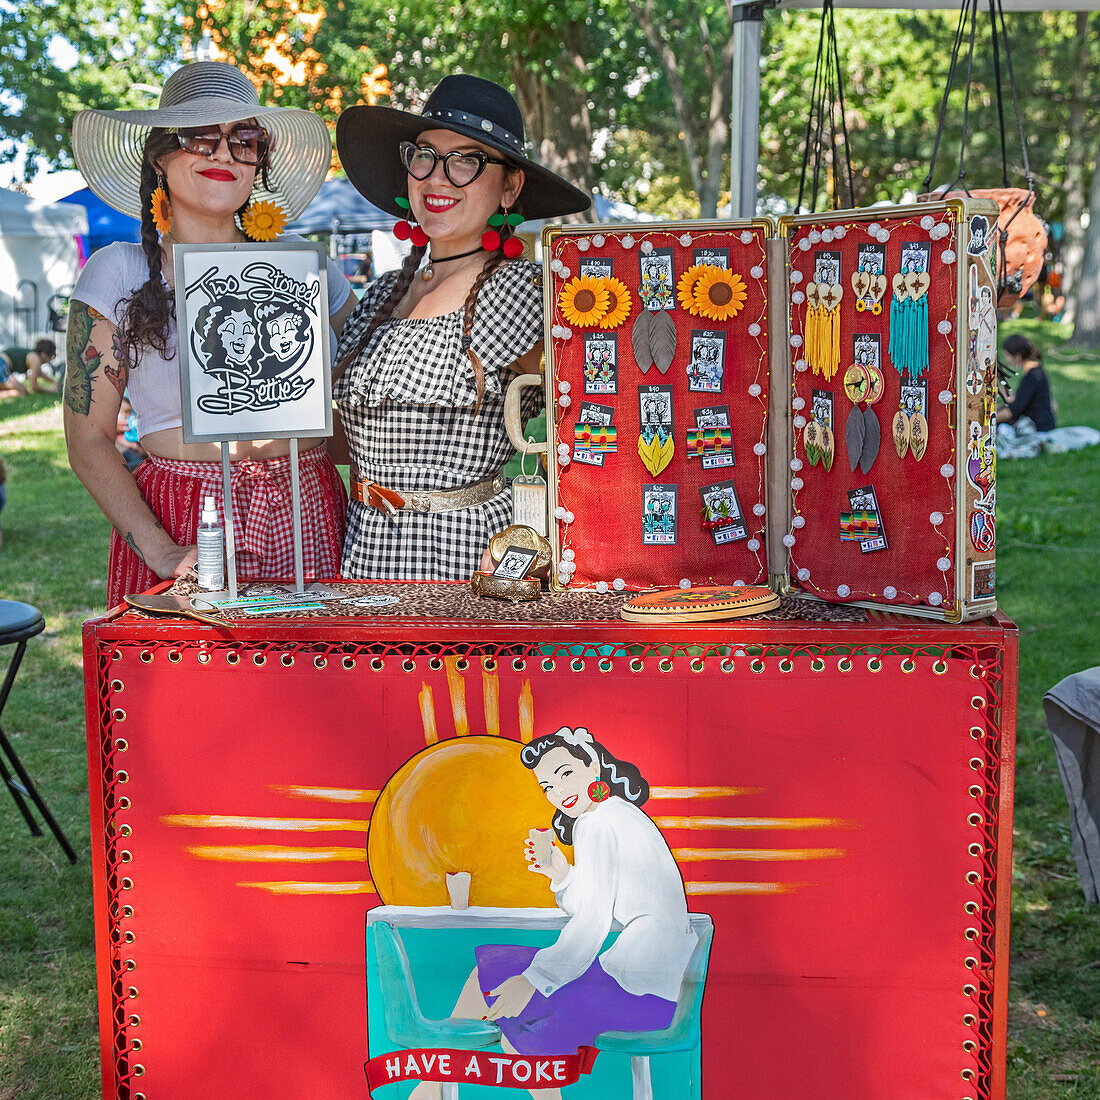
(367,139)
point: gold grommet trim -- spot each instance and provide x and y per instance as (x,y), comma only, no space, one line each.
(145,656)
(518,664)
(726,664)
(970,963)
(844,664)
(175,656)
(122,777)
(967,1074)
(232,657)
(976,764)
(973,878)
(973,908)
(125,830)
(974,672)
(123,803)
(129,937)
(347,663)
(605,664)
(665,664)
(259,660)
(636,664)
(577,664)
(976,850)
(127,883)
(139,1096)
(139,1070)
(908,664)
(977,702)
(874,665)
(939,667)
(757,665)
(969,1019)
(126,857)
(320,662)
(975,791)
(117,686)
(786,664)
(489,664)
(118,714)
(116,655)
(969,1046)
(132,993)
(204,658)
(818,664)
(127,910)
(975,819)
(408,665)
(130,964)
(969,990)
(435,664)
(377,664)
(971,934)
(135,1044)
(462,664)
(548,664)
(121,744)
(135,1020)
(977,733)
(697,664)
(286,660)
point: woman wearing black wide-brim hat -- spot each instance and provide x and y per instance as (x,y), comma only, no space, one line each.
(426,358)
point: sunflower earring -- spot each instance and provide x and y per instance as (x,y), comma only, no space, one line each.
(161,207)
(263,221)
(404,230)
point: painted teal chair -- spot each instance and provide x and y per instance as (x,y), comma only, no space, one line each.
(406,1025)
(683,1034)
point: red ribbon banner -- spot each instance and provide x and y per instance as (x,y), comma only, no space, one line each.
(479,1067)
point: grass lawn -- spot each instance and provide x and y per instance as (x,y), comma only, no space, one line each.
(54,555)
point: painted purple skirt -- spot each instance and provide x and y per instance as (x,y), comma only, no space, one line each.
(573,1015)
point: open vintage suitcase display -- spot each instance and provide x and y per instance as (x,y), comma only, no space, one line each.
(817,405)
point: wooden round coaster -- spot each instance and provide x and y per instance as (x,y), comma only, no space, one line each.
(694,605)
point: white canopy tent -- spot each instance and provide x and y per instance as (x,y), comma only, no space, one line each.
(745,121)
(38,258)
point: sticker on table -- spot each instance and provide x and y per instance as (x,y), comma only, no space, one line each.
(711,440)
(594,435)
(373,601)
(716,257)
(706,369)
(516,563)
(601,362)
(600,267)
(656,283)
(722,514)
(863,522)
(659,515)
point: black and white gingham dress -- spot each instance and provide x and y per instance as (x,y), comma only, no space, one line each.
(407,404)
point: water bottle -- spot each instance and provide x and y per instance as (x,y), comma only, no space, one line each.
(211,544)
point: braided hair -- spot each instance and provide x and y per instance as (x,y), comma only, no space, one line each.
(149,312)
(401,287)
(624,778)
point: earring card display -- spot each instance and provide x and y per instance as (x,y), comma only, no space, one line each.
(254,341)
(657,386)
(891,407)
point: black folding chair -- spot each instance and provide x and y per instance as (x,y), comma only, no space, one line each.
(18,622)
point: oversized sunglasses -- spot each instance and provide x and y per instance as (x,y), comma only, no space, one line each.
(247,142)
(460,168)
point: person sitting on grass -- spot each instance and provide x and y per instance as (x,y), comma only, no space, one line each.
(29,362)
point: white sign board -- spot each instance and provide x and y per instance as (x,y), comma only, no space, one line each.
(253,341)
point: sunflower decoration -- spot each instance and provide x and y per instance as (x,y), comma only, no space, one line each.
(263,221)
(162,210)
(719,294)
(685,288)
(584,301)
(618,303)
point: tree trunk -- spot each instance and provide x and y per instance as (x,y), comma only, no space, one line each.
(556,109)
(1076,167)
(1086,329)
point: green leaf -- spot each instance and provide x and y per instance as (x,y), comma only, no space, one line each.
(496,220)
(402,202)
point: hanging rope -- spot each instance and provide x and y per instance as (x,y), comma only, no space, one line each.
(826,122)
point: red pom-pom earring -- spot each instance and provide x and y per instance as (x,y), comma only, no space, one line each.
(598,791)
(500,235)
(404,230)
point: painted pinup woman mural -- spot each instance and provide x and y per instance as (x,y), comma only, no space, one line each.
(624,879)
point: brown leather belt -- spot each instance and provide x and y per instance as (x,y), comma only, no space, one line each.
(391,501)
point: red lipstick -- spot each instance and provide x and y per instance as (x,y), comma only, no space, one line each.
(218,174)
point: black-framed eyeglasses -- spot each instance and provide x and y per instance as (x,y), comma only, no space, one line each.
(459,167)
(247,142)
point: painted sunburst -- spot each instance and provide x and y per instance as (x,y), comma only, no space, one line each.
(719,294)
(584,301)
(619,303)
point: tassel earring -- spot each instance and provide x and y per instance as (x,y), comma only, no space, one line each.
(161,207)
(500,234)
(404,230)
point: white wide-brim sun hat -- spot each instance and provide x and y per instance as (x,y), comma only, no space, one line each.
(108,145)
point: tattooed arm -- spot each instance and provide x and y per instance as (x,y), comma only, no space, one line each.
(95,380)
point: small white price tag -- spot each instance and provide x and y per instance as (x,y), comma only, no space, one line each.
(529,498)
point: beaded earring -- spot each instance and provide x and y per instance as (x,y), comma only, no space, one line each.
(404,230)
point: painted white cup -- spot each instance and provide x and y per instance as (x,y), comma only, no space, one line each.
(458,889)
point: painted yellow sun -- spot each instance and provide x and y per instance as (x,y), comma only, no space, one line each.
(161,210)
(618,303)
(584,300)
(263,221)
(719,295)
(685,288)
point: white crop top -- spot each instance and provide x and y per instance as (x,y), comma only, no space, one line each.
(109,277)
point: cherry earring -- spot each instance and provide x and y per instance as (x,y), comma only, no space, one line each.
(500,235)
(404,230)
(598,791)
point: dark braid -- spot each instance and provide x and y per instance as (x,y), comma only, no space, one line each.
(495,261)
(383,313)
(150,310)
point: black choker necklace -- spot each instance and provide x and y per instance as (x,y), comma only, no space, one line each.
(429,271)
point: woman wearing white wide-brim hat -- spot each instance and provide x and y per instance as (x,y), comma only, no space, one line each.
(209,166)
